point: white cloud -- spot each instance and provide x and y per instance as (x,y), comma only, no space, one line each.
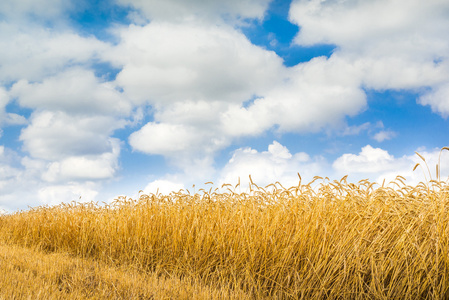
(94,167)
(398,44)
(37,52)
(377,164)
(190,74)
(211,10)
(45,67)
(164,63)
(163,186)
(207,85)
(165,138)
(32,182)
(438,99)
(76,91)
(20,10)
(187,147)
(184,128)
(276,164)
(56,194)
(199,110)
(397,72)
(395,22)
(318,94)
(57,135)
(377,159)
(384,135)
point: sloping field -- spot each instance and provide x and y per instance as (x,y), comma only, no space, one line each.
(337,240)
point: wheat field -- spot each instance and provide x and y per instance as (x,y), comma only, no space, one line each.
(321,240)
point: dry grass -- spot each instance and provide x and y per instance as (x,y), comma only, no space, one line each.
(338,241)
(32,274)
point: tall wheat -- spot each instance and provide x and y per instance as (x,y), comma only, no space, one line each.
(338,241)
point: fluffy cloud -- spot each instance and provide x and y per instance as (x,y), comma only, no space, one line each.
(76,91)
(183,129)
(190,74)
(375,22)
(201,110)
(377,164)
(438,99)
(266,167)
(38,52)
(47,67)
(164,138)
(57,135)
(163,186)
(56,194)
(26,181)
(24,9)
(178,10)
(168,66)
(393,44)
(93,167)
(318,94)
(377,159)
(164,63)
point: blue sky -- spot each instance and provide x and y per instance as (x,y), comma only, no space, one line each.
(105,98)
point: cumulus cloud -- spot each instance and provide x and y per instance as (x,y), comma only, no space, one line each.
(20,10)
(377,159)
(39,52)
(168,66)
(57,135)
(393,22)
(76,91)
(164,63)
(157,138)
(393,44)
(178,10)
(190,74)
(266,167)
(438,99)
(27,181)
(377,165)
(183,129)
(318,94)
(49,68)
(199,111)
(56,194)
(93,167)
(163,186)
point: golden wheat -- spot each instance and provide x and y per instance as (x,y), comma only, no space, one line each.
(31,274)
(334,240)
